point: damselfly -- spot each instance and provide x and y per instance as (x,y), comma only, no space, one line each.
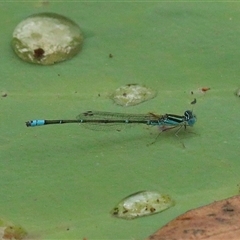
(102,119)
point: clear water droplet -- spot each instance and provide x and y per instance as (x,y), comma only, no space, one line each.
(132,94)
(47,38)
(142,203)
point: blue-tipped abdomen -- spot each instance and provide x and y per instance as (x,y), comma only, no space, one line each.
(34,123)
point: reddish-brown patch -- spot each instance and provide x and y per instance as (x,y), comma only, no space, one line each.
(216,221)
(205,89)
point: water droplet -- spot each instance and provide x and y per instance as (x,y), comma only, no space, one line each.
(47,38)
(132,94)
(142,204)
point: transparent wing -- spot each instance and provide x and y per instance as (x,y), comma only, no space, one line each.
(98,120)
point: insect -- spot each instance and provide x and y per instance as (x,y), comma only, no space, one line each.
(100,120)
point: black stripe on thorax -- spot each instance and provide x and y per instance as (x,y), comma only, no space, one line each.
(175,118)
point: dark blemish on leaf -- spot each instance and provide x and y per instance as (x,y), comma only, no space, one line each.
(186,218)
(39,53)
(221,220)
(211,215)
(115,211)
(228,208)
(131,84)
(194,101)
(194,232)
(152,237)
(152,209)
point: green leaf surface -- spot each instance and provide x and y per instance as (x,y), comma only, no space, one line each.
(61,181)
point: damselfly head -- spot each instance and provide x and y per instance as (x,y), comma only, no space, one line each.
(190,117)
